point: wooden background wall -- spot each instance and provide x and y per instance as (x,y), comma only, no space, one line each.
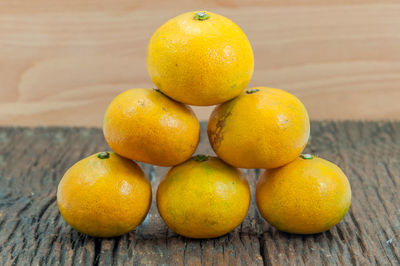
(61,62)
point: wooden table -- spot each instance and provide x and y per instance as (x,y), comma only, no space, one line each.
(32,161)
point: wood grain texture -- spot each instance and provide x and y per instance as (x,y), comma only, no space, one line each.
(61,62)
(32,232)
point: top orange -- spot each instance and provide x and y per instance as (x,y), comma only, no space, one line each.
(200,58)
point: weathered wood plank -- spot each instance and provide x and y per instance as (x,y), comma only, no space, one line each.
(32,161)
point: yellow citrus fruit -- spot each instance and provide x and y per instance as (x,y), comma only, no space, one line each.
(147,126)
(104,195)
(307,196)
(200,58)
(261,128)
(203,197)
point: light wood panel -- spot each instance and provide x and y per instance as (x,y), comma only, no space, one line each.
(61,62)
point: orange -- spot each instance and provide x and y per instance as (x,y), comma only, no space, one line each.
(104,195)
(261,128)
(307,196)
(147,126)
(203,197)
(200,58)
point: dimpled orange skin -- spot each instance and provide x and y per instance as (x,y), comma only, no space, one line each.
(200,62)
(104,197)
(203,199)
(264,129)
(147,126)
(304,196)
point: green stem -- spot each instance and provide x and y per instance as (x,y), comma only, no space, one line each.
(201,16)
(201,158)
(252,91)
(103,155)
(307,156)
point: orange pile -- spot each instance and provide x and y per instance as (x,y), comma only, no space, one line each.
(202,58)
